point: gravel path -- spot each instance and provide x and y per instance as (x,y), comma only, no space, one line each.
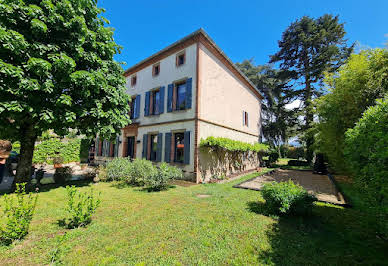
(320,185)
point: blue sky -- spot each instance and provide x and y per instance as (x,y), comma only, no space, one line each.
(243,29)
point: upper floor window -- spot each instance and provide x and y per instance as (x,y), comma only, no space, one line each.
(132,106)
(181,59)
(181,96)
(245,119)
(155,102)
(133,80)
(156,69)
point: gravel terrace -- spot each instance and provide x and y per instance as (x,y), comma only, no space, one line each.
(320,185)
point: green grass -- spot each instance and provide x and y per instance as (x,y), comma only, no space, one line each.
(176,227)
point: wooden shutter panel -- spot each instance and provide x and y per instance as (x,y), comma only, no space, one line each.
(145,145)
(189,92)
(167,148)
(137,107)
(169,97)
(147,104)
(159,148)
(161,100)
(187,148)
(117,144)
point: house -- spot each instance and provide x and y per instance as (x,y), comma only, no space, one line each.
(186,92)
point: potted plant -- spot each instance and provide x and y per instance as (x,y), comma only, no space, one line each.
(58,161)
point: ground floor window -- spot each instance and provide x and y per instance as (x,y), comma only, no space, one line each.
(179,149)
(154,147)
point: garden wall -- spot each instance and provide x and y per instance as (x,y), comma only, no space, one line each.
(217,164)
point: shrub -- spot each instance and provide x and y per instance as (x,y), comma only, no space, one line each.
(297,163)
(101,174)
(287,198)
(80,207)
(273,156)
(161,179)
(119,169)
(62,174)
(367,156)
(18,212)
(141,171)
(296,152)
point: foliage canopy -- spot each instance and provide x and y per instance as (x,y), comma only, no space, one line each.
(58,72)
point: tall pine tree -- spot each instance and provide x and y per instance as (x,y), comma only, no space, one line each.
(279,123)
(309,48)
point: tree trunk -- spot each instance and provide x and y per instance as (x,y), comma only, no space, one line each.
(27,145)
(309,116)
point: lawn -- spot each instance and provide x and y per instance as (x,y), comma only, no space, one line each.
(177,227)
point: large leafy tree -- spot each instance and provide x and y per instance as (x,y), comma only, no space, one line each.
(57,72)
(352,89)
(279,123)
(309,48)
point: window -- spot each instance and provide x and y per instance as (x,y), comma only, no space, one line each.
(132,106)
(245,119)
(179,149)
(180,96)
(155,100)
(180,59)
(133,80)
(154,147)
(156,70)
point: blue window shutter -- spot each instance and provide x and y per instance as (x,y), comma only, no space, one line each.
(147,104)
(145,144)
(167,148)
(117,143)
(169,97)
(161,100)
(189,92)
(137,109)
(159,148)
(187,148)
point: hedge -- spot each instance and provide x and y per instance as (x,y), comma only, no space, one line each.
(232,145)
(366,153)
(72,150)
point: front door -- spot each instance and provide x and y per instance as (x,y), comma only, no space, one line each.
(131,147)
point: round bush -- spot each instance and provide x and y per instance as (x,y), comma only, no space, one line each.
(161,179)
(142,170)
(287,198)
(119,169)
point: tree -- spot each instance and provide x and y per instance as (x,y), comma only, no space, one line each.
(309,48)
(279,123)
(352,89)
(57,72)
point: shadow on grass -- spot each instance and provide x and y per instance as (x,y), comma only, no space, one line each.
(330,236)
(48,187)
(121,185)
(79,183)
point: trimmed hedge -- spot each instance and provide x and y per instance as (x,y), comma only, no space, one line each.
(70,150)
(232,145)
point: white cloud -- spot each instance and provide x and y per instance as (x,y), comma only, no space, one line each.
(294,104)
